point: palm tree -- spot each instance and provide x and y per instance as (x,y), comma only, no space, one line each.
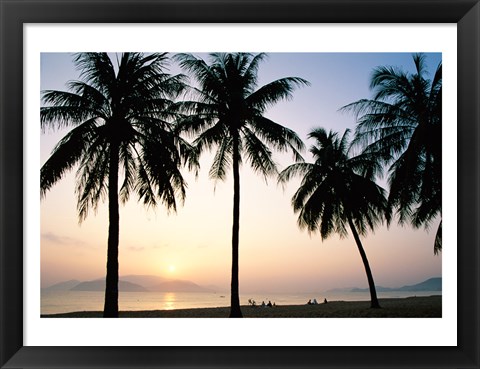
(229,115)
(402,125)
(120,124)
(336,191)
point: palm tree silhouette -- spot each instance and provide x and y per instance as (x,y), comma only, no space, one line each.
(337,190)
(120,122)
(402,126)
(229,115)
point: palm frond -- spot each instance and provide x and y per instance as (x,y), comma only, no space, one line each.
(159,174)
(211,137)
(131,104)
(311,182)
(96,69)
(279,137)
(389,82)
(258,154)
(189,154)
(96,98)
(251,72)
(367,164)
(401,126)
(275,91)
(228,105)
(67,109)
(420,64)
(222,160)
(294,170)
(192,125)
(209,81)
(92,178)
(336,187)
(128,165)
(68,152)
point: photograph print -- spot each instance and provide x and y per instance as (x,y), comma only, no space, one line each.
(237,184)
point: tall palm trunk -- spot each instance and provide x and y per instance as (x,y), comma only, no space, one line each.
(371,284)
(235,311)
(111,289)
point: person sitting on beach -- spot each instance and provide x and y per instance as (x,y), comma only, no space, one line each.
(315,302)
(263,304)
(309,302)
(325,301)
(269,303)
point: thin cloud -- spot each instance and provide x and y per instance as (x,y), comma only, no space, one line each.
(61,240)
(136,249)
(161,246)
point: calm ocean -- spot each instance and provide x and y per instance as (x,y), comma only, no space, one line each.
(53,302)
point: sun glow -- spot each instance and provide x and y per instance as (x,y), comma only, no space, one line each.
(171,268)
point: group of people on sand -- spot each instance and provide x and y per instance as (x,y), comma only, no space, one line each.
(314,302)
(268,305)
(253,303)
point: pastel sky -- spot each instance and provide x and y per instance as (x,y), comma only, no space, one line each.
(195,243)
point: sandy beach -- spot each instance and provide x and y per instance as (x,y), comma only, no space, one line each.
(411,307)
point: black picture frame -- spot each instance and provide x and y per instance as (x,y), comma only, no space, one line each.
(15,13)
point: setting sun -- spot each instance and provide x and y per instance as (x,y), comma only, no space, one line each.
(171,268)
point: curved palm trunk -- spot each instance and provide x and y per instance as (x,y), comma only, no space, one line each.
(111,289)
(371,284)
(235,311)
(437,247)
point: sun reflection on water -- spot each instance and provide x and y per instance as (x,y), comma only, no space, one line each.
(170,300)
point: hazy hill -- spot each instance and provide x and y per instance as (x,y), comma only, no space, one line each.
(432,284)
(178,286)
(134,283)
(215,288)
(99,285)
(63,286)
(146,281)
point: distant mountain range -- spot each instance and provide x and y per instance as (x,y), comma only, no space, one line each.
(133,283)
(99,285)
(67,285)
(432,284)
(145,283)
